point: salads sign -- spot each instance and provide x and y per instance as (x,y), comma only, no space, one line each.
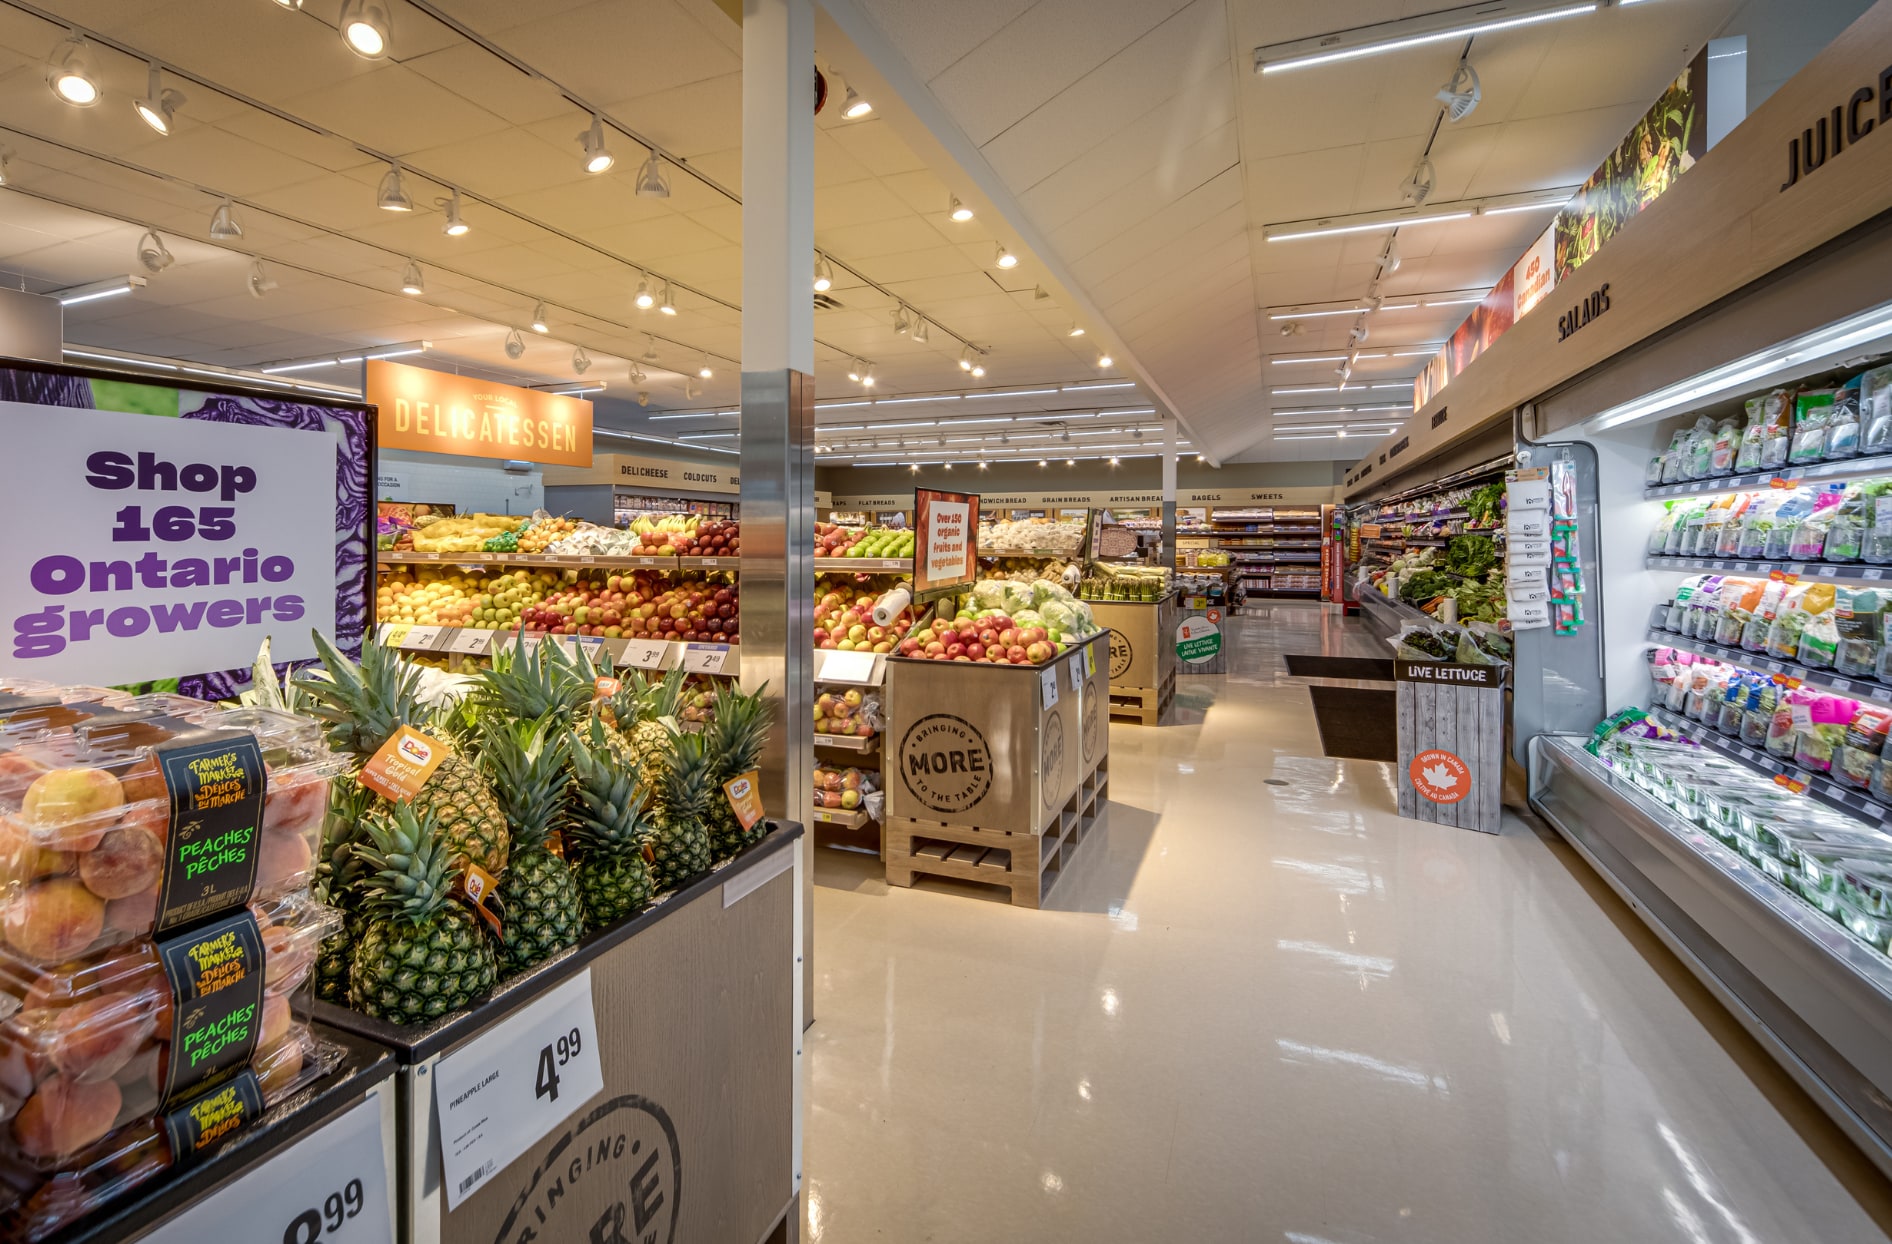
(195,540)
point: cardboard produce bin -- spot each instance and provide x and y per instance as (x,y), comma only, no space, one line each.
(695,1135)
(1451,742)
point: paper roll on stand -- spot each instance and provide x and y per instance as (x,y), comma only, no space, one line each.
(890,606)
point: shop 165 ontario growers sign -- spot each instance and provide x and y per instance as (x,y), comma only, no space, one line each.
(148,547)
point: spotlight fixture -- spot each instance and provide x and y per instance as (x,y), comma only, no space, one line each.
(1359,334)
(515,344)
(539,322)
(581,362)
(853,107)
(411,283)
(1004,258)
(637,374)
(668,304)
(643,398)
(70,74)
(1113,462)
(824,274)
(919,324)
(958,211)
(598,157)
(690,389)
(1065,435)
(290,4)
(365,27)
(1043,463)
(1200,458)
(946,466)
(260,282)
(854,370)
(153,255)
(1104,360)
(392,195)
(6,167)
(651,182)
(223,223)
(645,300)
(1070,462)
(1417,188)
(704,370)
(1344,371)
(965,359)
(1462,93)
(867,376)
(159,106)
(914,467)
(978,369)
(901,325)
(454,226)
(650,350)
(1077,330)
(1389,258)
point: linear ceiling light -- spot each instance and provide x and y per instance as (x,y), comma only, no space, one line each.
(1391,222)
(1457,23)
(109,288)
(366,28)
(401,350)
(70,74)
(158,109)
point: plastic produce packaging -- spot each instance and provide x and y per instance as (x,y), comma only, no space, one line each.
(1875,411)
(1812,410)
(851,713)
(1808,541)
(1776,414)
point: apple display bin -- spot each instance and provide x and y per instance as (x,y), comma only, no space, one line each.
(694,1001)
(989,776)
(1143,660)
(364,1077)
(1451,743)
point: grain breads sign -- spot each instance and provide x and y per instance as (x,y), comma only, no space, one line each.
(436,412)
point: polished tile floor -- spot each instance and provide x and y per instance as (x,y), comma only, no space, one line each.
(1276,1012)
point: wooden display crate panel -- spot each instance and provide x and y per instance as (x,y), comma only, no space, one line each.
(1147,706)
(1027,865)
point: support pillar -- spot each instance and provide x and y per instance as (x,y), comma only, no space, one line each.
(1169,493)
(777,445)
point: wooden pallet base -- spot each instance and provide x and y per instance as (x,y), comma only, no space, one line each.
(1147,706)
(1028,865)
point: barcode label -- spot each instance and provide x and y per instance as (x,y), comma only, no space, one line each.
(477,1177)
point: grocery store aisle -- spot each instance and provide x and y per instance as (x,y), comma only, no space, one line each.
(1263,1008)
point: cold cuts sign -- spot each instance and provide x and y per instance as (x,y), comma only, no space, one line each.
(436,412)
(947,527)
(174,546)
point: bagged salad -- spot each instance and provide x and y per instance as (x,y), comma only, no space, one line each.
(1753,437)
(1819,641)
(1787,519)
(1824,732)
(1812,409)
(1859,750)
(1808,540)
(1803,603)
(1842,423)
(1875,410)
(1759,716)
(1757,524)
(1846,534)
(1761,621)
(1738,599)
(1859,617)
(1793,712)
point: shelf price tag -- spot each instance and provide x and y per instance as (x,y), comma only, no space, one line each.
(1793,784)
(705,658)
(500,1093)
(330,1186)
(649,654)
(1076,669)
(1048,687)
(422,638)
(856,667)
(394,634)
(471,642)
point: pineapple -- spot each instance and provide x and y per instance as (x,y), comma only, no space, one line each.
(364,705)
(421,955)
(340,881)
(680,849)
(526,685)
(735,737)
(609,832)
(645,714)
(544,912)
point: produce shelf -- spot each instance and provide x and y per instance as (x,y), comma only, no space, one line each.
(1820,570)
(1036,554)
(655,654)
(1818,786)
(1871,688)
(1849,468)
(846,818)
(903,565)
(848,742)
(403,557)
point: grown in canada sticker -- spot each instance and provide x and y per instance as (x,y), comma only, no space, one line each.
(1440,776)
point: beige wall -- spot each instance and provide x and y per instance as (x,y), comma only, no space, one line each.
(1028,477)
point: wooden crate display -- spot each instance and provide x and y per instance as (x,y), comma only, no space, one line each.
(1142,657)
(1451,743)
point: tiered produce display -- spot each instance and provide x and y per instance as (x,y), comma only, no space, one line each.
(1002,622)
(98,1093)
(1467,571)
(1109,581)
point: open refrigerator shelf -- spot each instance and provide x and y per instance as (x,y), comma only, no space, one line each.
(1819,1000)
(551,561)
(1842,469)
(1870,688)
(1836,795)
(1751,565)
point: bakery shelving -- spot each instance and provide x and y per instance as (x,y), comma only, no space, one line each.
(1273,550)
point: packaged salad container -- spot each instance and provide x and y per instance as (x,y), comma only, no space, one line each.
(1802,603)
(1776,414)
(1875,411)
(1759,718)
(1859,750)
(1787,519)
(1842,422)
(1824,732)
(1859,619)
(1748,456)
(92,854)
(1812,409)
(1808,541)
(1757,524)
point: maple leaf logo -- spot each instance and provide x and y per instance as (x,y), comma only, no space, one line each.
(1441,777)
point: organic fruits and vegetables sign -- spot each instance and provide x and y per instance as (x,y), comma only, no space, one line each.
(156,548)
(946,551)
(436,412)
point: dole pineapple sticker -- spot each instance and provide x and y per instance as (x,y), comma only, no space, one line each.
(1440,776)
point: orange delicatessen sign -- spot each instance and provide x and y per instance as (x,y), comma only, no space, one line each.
(436,412)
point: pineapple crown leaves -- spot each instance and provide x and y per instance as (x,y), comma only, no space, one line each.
(611,813)
(689,784)
(363,704)
(738,729)
(527,764)
(530,682)
(412,878)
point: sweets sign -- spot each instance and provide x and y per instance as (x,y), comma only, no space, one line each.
(192,540)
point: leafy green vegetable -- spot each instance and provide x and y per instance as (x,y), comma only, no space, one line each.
(1470,555)
(1484,504)
(1425,585)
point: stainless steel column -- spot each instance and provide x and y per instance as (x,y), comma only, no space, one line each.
(778,475)
(1169,494)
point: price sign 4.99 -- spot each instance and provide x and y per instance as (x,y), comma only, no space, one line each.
(501,1092)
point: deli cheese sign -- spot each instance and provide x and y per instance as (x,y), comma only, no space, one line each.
(436,412)
(179,544)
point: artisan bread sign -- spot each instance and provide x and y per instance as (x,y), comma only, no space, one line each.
(436,412)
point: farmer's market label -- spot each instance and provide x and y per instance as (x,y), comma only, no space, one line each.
(945,763)
(216,784)
(1198,640)
(216,978)
(196,1127)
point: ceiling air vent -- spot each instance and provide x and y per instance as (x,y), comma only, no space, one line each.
(1400,446)
(1440,417)
(826,302)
